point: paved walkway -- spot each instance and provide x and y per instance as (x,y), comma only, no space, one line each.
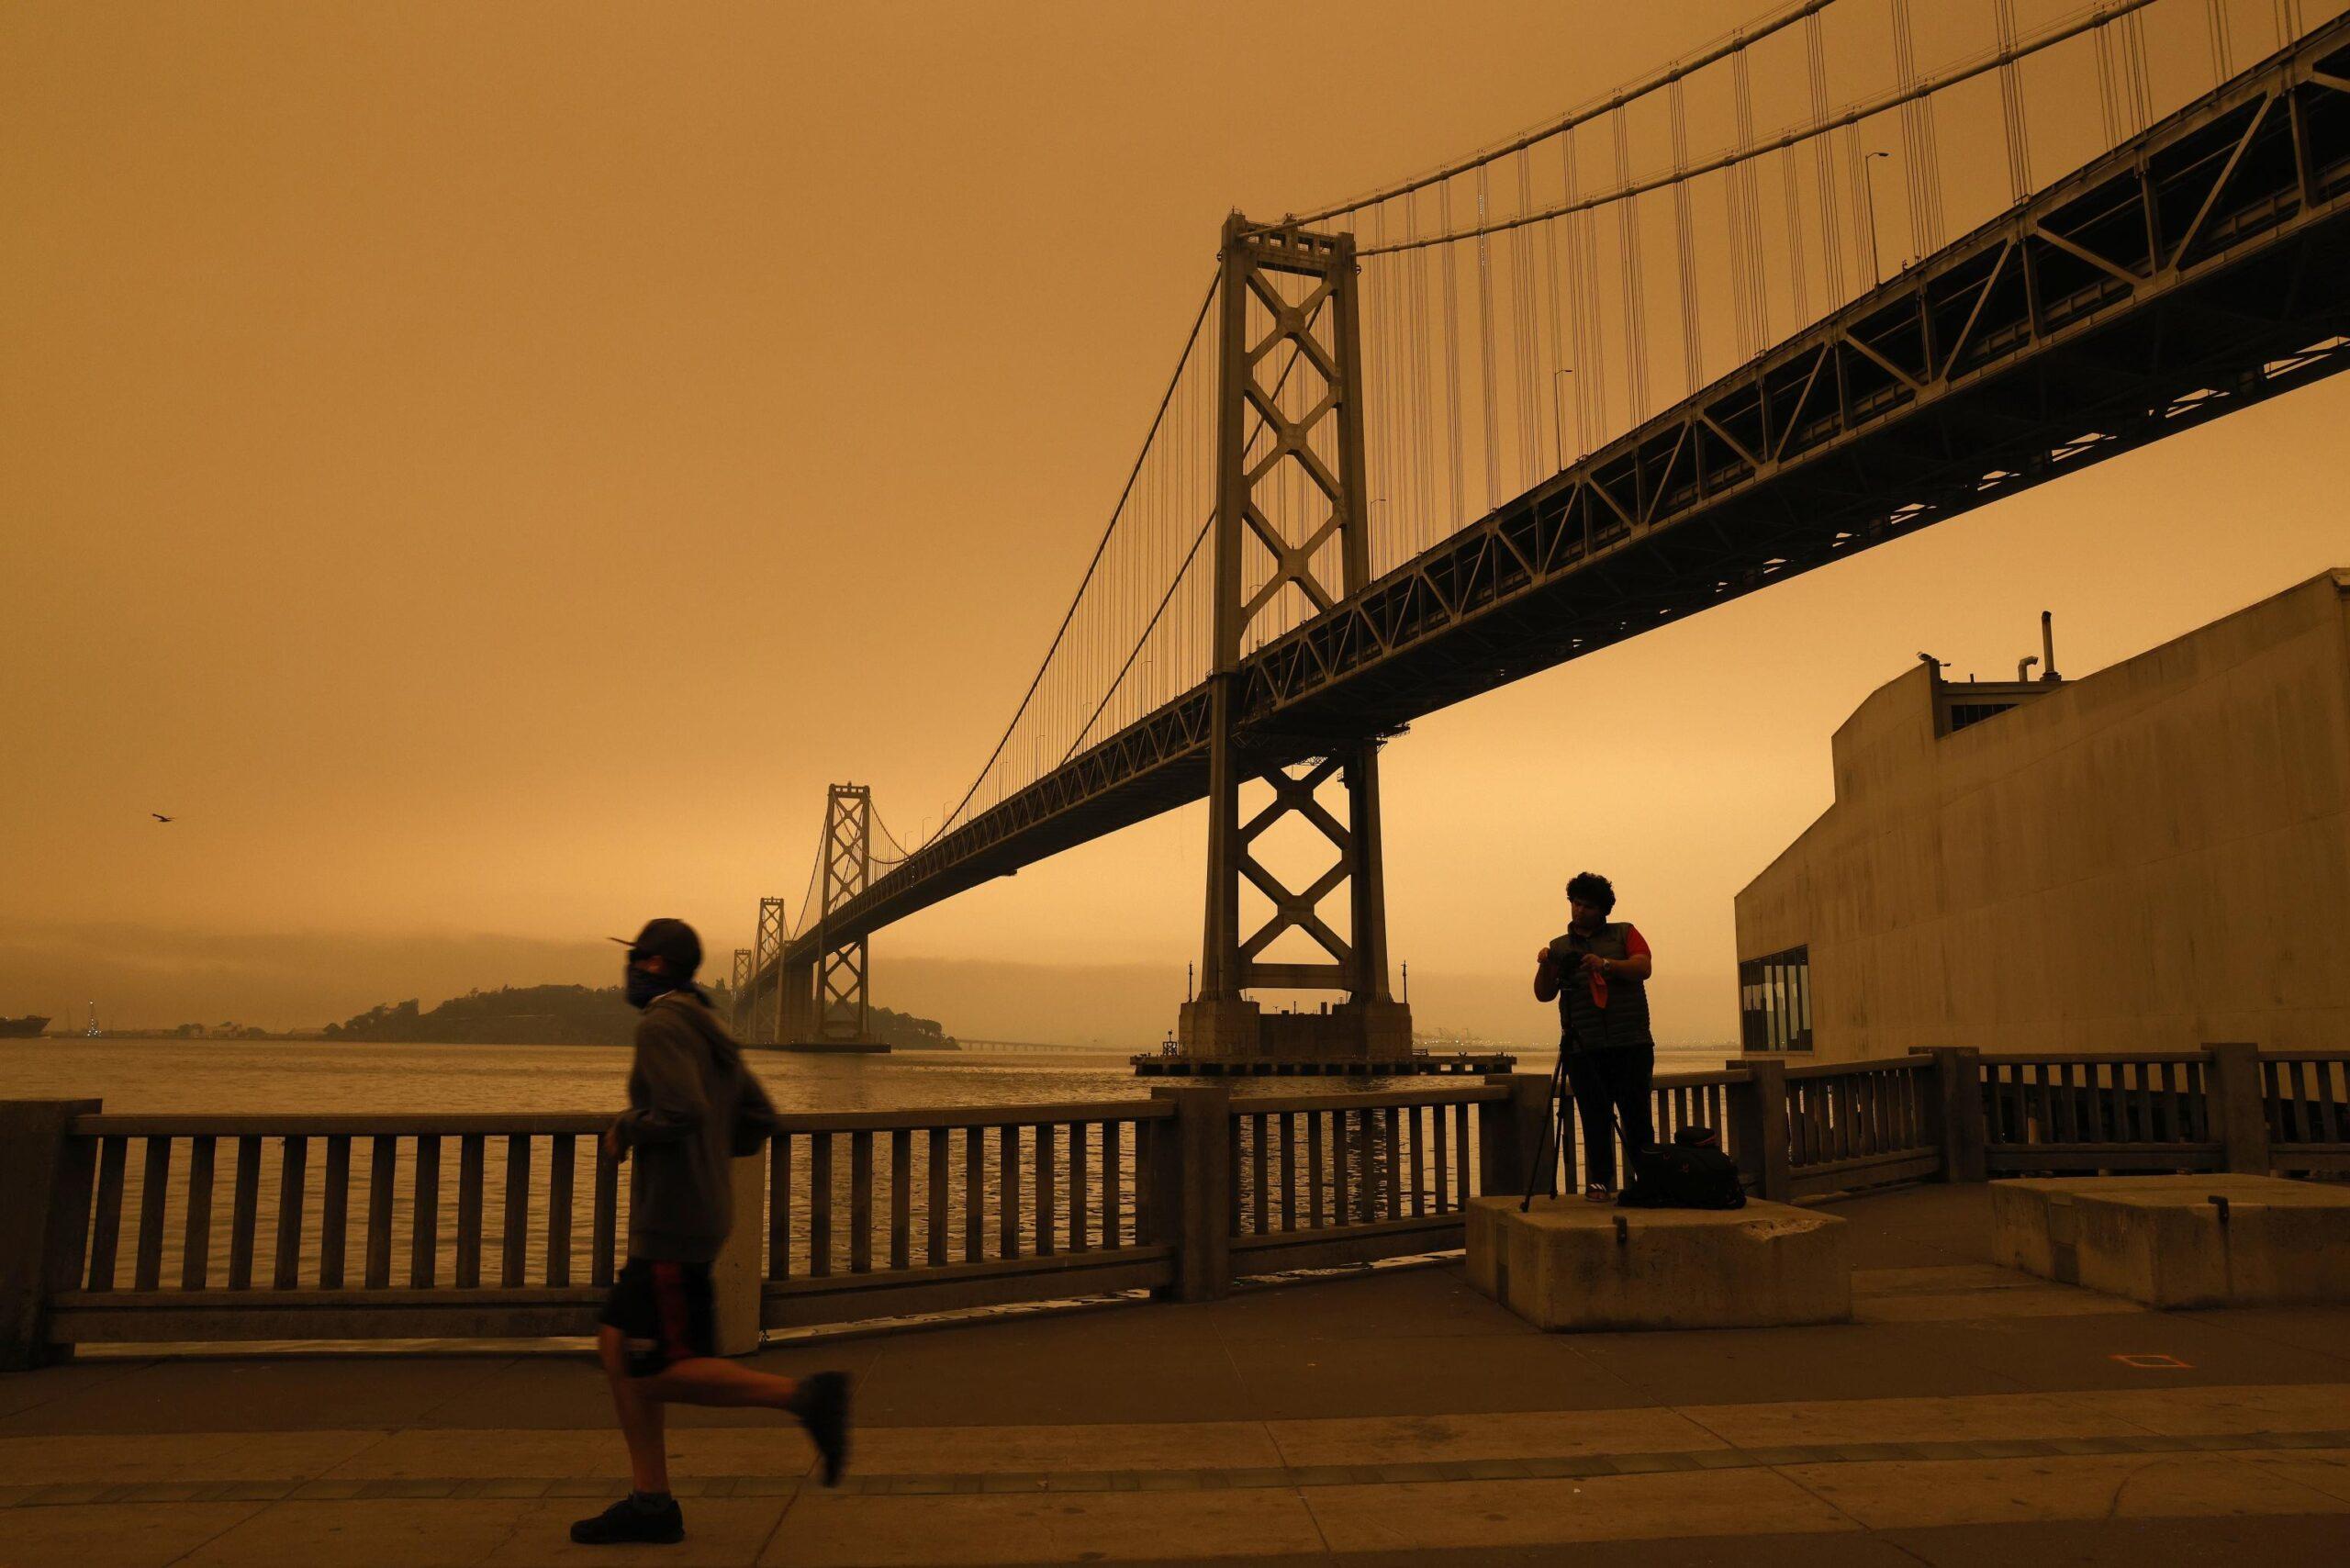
(1970,1413)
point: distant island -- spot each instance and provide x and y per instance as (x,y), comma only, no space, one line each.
(566,1015)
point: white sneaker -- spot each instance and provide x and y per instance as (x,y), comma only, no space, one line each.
(1595,1193)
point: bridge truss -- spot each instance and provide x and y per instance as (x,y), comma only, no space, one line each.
(2200,266)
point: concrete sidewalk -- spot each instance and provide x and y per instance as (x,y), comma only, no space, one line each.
(1970,1412)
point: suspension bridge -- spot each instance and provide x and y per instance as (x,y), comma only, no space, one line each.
(1686,341)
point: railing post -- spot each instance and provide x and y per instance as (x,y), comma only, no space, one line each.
(1956,1105)
(1510,1132)
(1192,1187)
(46,1173)
(1758,1113)
(735,1277)
(2240,1106)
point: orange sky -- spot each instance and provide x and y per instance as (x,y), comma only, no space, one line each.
(484,469)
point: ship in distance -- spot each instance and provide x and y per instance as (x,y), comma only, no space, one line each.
(24,1028)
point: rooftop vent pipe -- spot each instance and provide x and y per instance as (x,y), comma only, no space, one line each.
(2047,646)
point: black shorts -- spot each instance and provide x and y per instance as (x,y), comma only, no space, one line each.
(663,1313)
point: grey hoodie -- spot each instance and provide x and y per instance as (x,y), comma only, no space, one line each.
(693,1106)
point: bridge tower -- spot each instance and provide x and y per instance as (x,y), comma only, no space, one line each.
(739,994)
(840,1013)
(1288,338)
(762,1015)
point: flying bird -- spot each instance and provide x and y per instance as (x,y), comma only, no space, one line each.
(159,816)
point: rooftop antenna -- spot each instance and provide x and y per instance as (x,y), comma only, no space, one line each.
(2048,646)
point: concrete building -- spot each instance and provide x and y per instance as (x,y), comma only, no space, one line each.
(2153,856)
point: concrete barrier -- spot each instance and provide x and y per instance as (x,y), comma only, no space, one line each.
(737,1277)
(2202,1240)
(1571,1264)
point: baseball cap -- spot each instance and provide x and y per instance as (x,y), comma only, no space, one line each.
(671,941)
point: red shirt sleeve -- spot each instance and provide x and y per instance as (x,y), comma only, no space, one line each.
(1635,945)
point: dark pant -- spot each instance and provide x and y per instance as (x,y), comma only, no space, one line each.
(666,1312)
(1609,1084)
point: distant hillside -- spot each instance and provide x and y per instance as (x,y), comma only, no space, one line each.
(563,1015)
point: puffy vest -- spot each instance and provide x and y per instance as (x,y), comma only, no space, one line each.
(1623,1024)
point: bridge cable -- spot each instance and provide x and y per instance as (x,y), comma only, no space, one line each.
(2222,46)
(1856,180)
(1485,366)
(1750,176)
(1530,440)
(1296,354)
(2003,14)
(1730,43)
(1922,163)
(1693,358)
(1626,190)
(1062,630)
(1591,372)
(1560,366)
(1798,265)
(1450,260)
(2133,51)
(2108,90)
(1628,252)
(1823,174)
(1423,382)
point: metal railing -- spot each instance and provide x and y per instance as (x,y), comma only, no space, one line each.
(341,1227)
(1318,1180)
(1857,1124)
(2306,1095)
(2075,1111)
(147,1228)
(976,1206)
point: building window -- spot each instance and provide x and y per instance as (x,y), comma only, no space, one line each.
(1774,1002)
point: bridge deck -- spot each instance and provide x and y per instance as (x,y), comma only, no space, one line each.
(1970,1413)
(2201,267)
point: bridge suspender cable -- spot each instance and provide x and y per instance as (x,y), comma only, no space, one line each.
(1281,384)
(1722,49)
(1090,566)
(1628,189)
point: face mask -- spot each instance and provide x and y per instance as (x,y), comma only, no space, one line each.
(640,986)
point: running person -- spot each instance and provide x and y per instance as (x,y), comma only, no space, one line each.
(692,1107)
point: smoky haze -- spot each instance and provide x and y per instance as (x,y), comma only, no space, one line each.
(484,471)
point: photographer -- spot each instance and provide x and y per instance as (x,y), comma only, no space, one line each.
(1598,971)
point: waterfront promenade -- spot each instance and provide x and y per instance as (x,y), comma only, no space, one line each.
(1969,1413)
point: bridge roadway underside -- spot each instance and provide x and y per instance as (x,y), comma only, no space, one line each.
(2200,269)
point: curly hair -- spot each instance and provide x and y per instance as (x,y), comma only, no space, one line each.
(1591,888)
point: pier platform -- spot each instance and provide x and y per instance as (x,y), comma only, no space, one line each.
(1562,1263)
(1474,1064)
(1969,1413)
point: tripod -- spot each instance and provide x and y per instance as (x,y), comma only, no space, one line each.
(1539,1173)
(1561,1099)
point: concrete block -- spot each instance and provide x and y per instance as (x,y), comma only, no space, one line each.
(735,1278)
(2175,1241)
(1566,1265)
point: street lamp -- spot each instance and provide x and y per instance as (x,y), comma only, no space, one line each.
(1868,205)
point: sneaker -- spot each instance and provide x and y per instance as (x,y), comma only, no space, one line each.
(822,1405)
(1597,1193)
(630,1522)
